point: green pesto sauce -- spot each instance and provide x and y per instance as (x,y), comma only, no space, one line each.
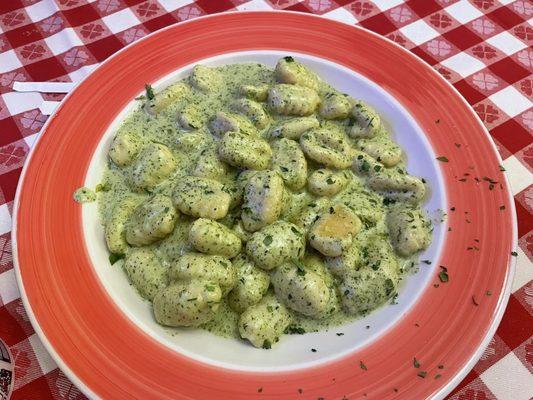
(186,146)
(84,195)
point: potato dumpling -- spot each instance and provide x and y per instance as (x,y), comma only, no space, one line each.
(383,149)
(205,79)
(293,203)
(252,284)
(286,99)
(154,164)
(209,166)
(365,165)
(347,263)
(257,93)
(263,195)
(409,230)
(201,197)
(165,99)
(314,262)
(124,148)
(334,231)
(151,221)
(400,187)
(145,272)
(366,121)
(189,142)
(225,122)
(253,110)
(334,106)
(365,203)
(211,237)
(301,289)
(374,282)
(326,182)
(289,161)
(293,128)
(275,244)
(190,117)
(197,266)
(243,151)
(311,212)
(263,323)
(189,303)
(115,227)
(288,70)
(328,147)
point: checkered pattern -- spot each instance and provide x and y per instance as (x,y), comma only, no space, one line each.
(483,47)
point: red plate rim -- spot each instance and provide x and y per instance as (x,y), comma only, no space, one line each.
(56,286)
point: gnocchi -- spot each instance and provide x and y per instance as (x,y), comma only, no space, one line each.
(286,99)
(254,202)
(328,147)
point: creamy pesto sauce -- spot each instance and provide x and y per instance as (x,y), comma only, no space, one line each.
(186,145)
(84,195)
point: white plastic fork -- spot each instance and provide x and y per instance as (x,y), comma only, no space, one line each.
(46,107)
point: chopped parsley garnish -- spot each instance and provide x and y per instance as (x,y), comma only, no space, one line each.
(502,169)
(330,181)
(340,334)
(416,364)
(267,241)
(313,350)
(267,344)
(102,187)
(149,91)
(114,257)
(443,159)
(301,267)
(443,274)
(295,330)
(389,287)
(363,366)
(426,262)
(422,374)
(288,59)
(438,376)
(488,293)
(514,253)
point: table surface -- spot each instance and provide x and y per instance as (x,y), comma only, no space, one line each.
(483,47)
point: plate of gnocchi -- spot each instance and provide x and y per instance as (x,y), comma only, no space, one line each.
(264,204)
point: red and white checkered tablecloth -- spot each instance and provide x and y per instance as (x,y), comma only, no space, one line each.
(483,47)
